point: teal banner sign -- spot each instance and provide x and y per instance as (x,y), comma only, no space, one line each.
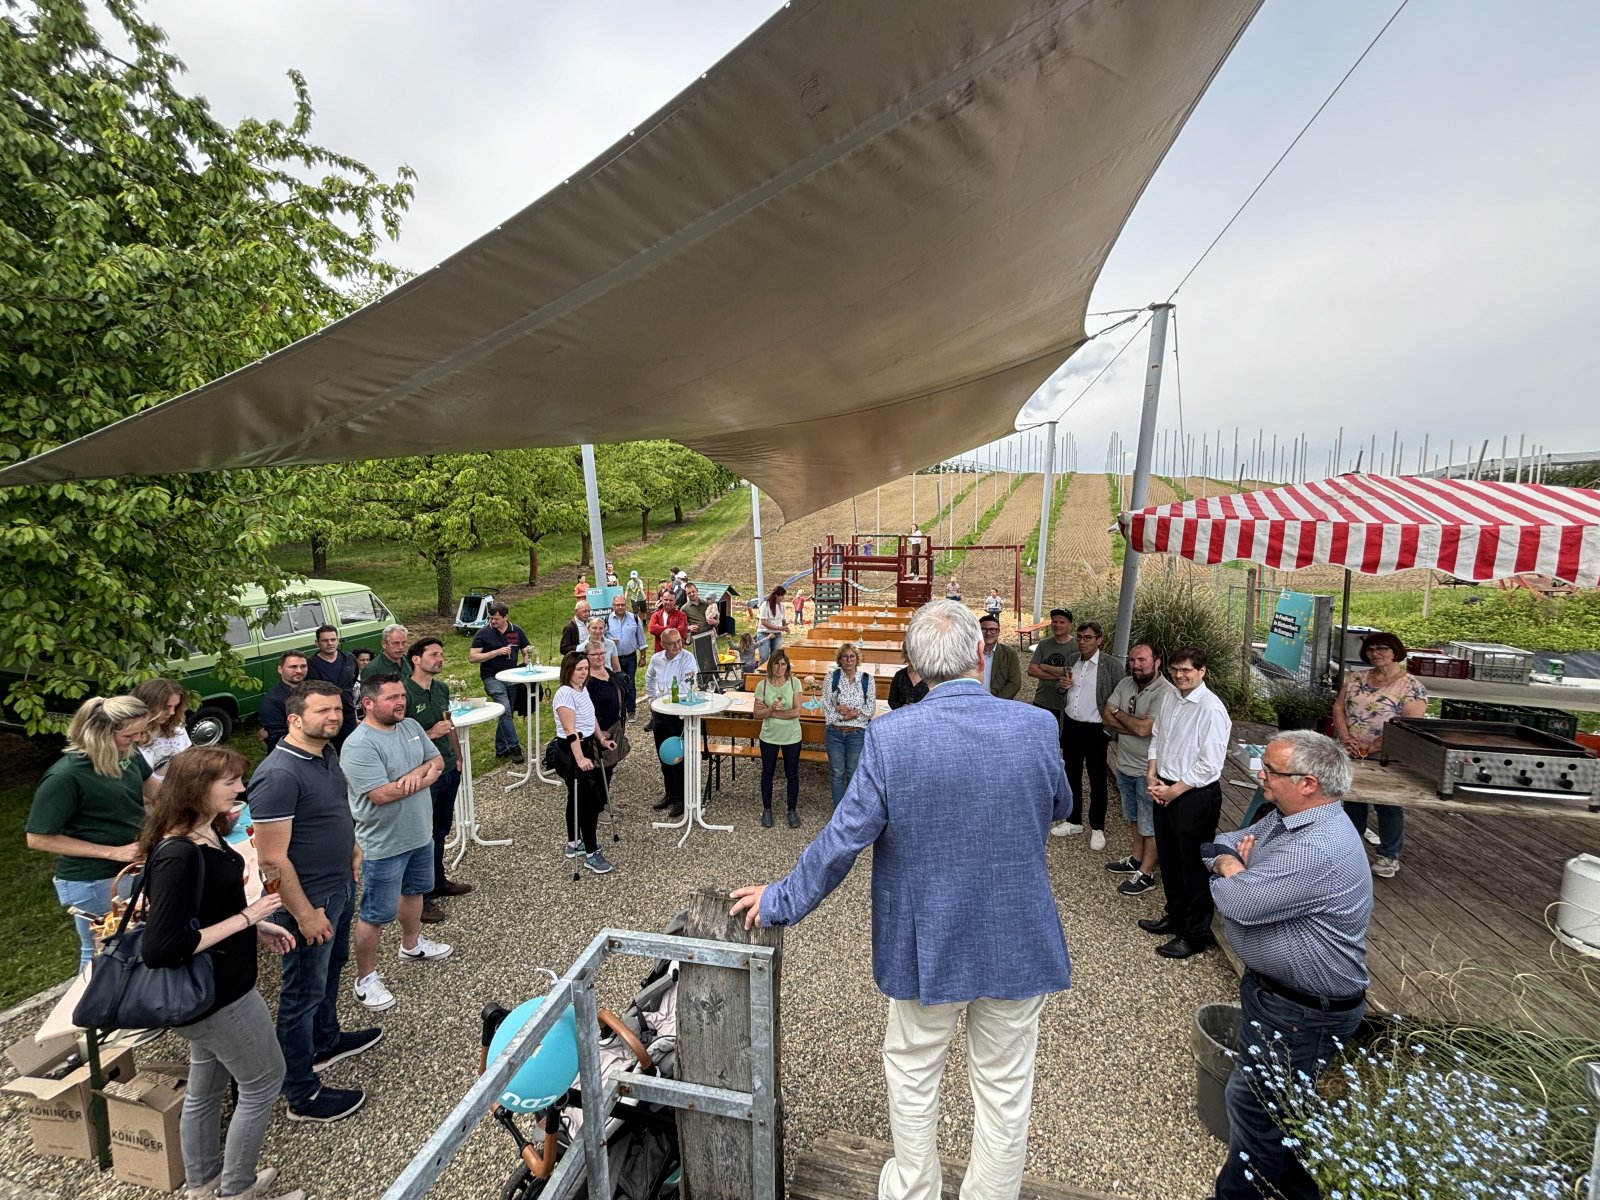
(1291,629)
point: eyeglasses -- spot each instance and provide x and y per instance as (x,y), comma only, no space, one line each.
(1266,770)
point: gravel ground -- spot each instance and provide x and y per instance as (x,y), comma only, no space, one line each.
(1113,1107)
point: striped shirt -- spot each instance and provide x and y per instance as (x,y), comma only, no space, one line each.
(1298,912)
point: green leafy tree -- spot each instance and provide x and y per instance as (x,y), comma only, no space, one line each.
(146,248)
(437,504)
(544,490)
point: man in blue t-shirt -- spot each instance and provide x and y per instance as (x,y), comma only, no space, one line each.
(497,647)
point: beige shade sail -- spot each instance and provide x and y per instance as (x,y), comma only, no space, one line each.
(856,247)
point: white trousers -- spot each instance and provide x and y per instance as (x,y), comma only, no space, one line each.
(1001,1038)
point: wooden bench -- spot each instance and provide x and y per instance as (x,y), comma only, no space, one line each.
(881,678)
(734,738)
(1026,638)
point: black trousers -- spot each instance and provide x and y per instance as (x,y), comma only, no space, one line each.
(629,663)
(444,813)
(664,727)
(1083,744)
(791,772)
(1182,827)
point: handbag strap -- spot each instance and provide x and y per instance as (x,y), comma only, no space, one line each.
(138,887)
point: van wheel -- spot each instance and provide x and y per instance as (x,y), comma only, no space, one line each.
(210,726)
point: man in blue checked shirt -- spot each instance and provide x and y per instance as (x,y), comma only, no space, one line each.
(960,924)
(625,628)
(1295,895)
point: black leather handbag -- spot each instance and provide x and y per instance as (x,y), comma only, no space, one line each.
(124,992)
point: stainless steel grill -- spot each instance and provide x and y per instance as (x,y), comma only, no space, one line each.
(1492,757)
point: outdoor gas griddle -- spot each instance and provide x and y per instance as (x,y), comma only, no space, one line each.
(1493,759)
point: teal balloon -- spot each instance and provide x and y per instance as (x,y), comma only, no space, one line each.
(672,751)
(549,1072)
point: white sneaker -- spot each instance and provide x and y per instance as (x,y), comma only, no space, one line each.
(425,949)
(1097,840)
(1372,836)
(1385,868)
(371,992)
(1065,829)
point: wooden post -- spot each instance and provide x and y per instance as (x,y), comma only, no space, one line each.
(1249,631)
(714,1049)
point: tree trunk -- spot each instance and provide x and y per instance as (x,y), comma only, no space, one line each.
(644,524)
(443,580)
(585,550)
(677,514)
(533,564)
(319,555)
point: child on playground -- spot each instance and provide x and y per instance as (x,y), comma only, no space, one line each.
(799,608)
(747,652)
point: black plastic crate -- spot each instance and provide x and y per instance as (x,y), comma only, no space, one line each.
(1546,720)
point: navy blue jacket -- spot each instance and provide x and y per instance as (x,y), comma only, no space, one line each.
(956,796)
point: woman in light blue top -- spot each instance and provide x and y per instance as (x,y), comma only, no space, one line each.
(849,698)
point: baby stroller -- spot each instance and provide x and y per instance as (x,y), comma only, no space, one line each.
(472,614)
(641,1138)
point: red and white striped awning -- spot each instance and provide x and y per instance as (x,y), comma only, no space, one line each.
(1376,525)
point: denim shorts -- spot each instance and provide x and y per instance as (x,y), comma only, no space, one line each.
(1136,803)
(385,880)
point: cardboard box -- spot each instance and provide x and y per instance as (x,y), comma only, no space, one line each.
(59,1112)
(143,1117)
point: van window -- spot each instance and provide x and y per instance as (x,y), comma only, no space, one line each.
(302,618)
(354,607)
(238,632)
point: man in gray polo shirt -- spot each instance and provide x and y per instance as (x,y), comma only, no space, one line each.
(389,769)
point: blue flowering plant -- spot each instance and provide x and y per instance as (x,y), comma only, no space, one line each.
(1391,1120)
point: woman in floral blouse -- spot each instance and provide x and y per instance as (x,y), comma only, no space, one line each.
(1368,701)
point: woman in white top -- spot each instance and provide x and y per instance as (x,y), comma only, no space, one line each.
(849,698)
(167,736)
(771,621)
(579,762)
(596,634)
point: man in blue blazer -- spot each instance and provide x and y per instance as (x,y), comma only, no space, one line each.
(956,796)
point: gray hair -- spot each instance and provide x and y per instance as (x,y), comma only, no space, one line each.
(942,641)
(1321,757)
(388,629)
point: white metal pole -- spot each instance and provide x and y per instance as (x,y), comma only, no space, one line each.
(1044,523)
(1505,448)
(755,524)
(597,536)
(1522,442)
(1141,475)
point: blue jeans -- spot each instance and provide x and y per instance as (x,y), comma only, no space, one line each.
(844,752)
(505,730)
(235,1043)
(766,643)
(308,1002)
(385,880)
(1310,1040)
(1391,826)
(1137,806)
(91,895)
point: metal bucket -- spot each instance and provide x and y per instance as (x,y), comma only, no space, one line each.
(1213,1038)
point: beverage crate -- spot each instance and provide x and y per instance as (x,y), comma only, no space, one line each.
(1546,720)
(1437,664)
(1493,662)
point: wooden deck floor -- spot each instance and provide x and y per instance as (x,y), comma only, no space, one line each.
(1470,889)
(843,1166)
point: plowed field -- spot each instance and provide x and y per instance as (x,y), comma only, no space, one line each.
(1080,547)
(983,569)
(787,546)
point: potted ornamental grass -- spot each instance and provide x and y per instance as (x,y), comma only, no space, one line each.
(1399,1119)
(1299,705)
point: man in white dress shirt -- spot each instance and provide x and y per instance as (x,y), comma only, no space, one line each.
(1087,685)
(1187,749)
(670,663)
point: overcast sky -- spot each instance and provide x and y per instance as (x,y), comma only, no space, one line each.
(1420,263)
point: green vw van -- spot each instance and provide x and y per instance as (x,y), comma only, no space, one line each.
(215,705)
